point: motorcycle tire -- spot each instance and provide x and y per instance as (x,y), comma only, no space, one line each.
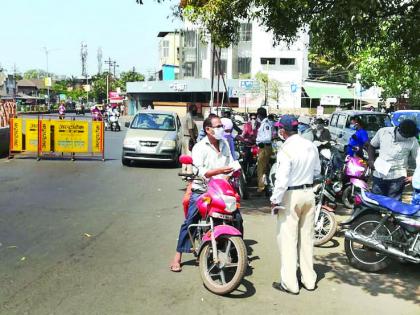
(327,228)
(234,255)
(362,257)
(348,196)
(243,188)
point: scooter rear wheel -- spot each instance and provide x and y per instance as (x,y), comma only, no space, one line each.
(225,276)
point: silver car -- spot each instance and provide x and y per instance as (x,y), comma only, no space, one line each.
(153,135)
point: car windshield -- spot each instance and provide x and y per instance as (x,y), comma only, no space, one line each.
(154,122)
(399,117)
(374,122)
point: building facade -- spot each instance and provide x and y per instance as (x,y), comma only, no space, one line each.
(256,53)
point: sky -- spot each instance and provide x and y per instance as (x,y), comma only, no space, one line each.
(126,32)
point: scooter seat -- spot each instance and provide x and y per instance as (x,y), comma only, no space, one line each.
(394,205)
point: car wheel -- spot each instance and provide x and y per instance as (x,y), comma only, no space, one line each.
(125,162)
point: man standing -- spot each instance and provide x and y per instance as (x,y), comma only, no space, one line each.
(211,158)
(298,164)
(396,145)
(190,135)
(264,138)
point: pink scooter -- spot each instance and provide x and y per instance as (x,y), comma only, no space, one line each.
(216,241)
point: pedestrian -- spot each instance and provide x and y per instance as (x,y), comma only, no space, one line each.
(264,139)
(321,133)
(359,139)
(211,158)
(61,111)
(396,145)
(298,164)
(190,135)
(228,128)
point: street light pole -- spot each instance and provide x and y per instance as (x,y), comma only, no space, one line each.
(48,86)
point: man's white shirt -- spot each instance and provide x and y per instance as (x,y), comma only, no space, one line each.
(205,158)
(297,164)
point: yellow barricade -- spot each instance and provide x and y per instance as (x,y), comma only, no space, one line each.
(49,136)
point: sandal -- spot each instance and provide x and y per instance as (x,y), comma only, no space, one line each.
(175,268)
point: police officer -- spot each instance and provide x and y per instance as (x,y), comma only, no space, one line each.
(264,138)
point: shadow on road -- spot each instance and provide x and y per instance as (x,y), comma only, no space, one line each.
(399,280)
(153,164)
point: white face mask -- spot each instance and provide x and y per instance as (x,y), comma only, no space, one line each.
(218,133)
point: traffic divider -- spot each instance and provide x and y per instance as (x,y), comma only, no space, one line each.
(45,136)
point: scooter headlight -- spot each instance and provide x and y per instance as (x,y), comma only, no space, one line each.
(337,187)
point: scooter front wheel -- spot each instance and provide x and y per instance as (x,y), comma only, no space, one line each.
(224,276)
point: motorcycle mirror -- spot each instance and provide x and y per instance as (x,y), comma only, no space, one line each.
(127,124)
(186,159)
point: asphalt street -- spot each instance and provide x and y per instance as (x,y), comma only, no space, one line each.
(92,237)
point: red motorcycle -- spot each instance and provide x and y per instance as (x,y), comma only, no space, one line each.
(217,238)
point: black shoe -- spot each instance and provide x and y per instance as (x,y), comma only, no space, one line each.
(301,284)
(278,286)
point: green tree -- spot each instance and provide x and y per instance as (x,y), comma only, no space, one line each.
(35,74)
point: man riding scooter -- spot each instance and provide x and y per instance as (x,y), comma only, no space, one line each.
(212,158)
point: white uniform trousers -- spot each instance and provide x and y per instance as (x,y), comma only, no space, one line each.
(295,236)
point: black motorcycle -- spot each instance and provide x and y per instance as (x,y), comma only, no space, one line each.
(382,228)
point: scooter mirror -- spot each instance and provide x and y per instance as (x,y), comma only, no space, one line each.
(185,159)
(127,124)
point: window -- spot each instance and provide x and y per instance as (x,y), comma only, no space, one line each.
(270,61)
(164,49)
(245,32)
(189,39)
(342,119)
(334,119)
(287,61)
(244,65)
(154,122)
(189,69)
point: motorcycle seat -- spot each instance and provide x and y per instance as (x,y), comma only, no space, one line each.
(394,205)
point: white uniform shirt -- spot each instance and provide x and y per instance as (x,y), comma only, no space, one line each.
(205,158)
(297,164)
(265,132)
(394,152)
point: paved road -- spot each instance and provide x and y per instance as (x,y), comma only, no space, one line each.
(91,237)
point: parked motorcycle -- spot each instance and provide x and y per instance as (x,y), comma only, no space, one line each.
(343,183)
(217,238)
(382,228)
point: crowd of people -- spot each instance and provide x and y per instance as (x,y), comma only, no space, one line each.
(212,150)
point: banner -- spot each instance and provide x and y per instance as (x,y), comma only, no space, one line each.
(16,134)
(71,136)
(31,140)
(45,136)
(97,136)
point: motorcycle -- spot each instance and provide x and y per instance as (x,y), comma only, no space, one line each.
(382,228)
(342,184)
(113,121)
(217,238)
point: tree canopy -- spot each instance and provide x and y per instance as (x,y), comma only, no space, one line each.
(378,38)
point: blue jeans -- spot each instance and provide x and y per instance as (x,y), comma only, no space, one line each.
(184,243)
(388,187)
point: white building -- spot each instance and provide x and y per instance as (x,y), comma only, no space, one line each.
(287,66)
